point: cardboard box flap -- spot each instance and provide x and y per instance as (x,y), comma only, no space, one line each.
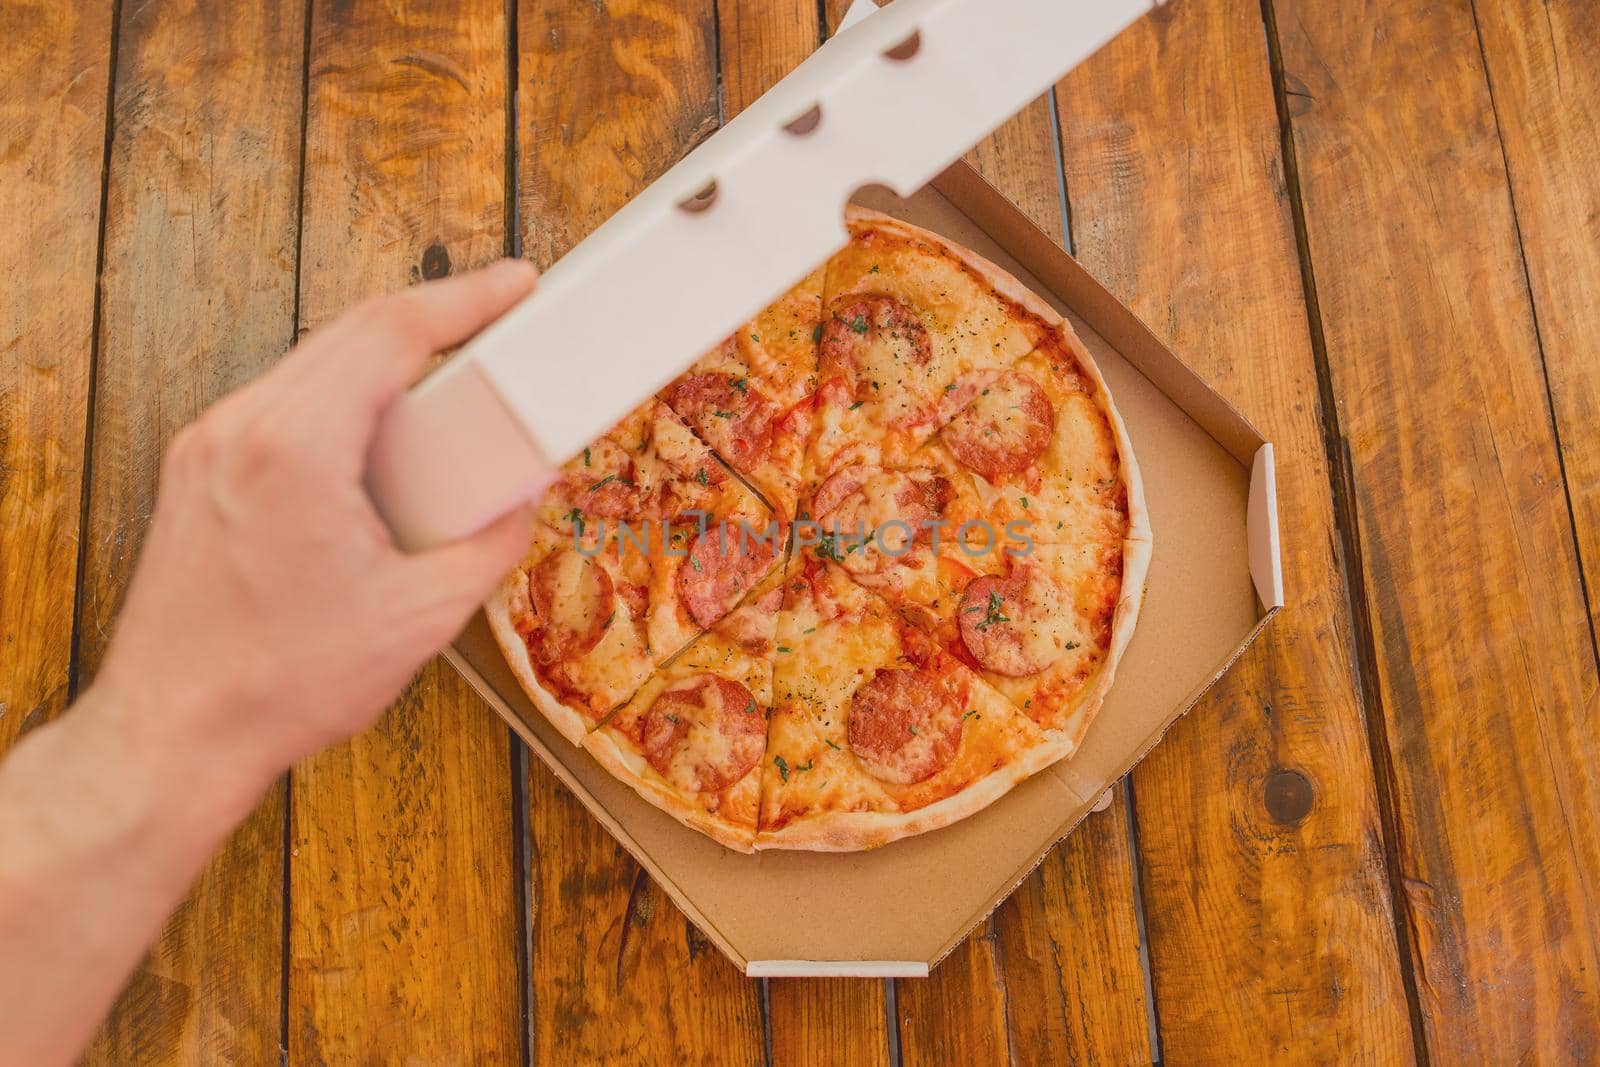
(1266,558)
(745,215)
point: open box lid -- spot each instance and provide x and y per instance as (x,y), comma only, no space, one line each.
(1214,580)
(891,102)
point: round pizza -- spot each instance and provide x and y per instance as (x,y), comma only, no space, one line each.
(855,574)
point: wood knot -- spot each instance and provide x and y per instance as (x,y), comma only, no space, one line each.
(1288,796)
(435,262)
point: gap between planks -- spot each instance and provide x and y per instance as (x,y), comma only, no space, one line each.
(1342,491)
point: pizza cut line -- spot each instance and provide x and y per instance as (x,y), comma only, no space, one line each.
(856,573)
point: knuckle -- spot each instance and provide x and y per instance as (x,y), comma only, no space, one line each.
(265,450)
(192,446)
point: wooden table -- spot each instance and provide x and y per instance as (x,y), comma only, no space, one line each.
(1375,226)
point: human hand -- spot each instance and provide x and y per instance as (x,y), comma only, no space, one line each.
(270,613)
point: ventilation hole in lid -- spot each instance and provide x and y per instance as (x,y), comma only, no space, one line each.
(807,122)
(906,48)
(701,200)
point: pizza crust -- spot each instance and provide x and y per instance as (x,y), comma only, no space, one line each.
(571,724)
(853,831)
(628,766)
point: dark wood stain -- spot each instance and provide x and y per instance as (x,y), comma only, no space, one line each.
(1288,795)
(435,262)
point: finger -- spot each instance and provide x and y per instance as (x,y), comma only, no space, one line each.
(466,571)
(449,311)
(347,373)
(380,347)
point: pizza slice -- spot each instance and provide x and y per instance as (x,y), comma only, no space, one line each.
(876,731)
(644,542)
(1049,631)
(691,740)
(750,398)
(574,628)
(1040,449)
(906,317)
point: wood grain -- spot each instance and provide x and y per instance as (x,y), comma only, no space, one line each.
(611,95)
(758,42)
(1543,61)
(54,64)
(1260,843)
(839,1021)
(616,971)
(197,296)
(958,1013)
(833,13)
(1483,665)
(618,974)
(1068,940)
(403,889)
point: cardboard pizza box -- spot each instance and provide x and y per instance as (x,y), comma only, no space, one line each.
(1214,579)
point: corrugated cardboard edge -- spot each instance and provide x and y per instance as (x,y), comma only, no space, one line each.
(1266,553)
(830,969)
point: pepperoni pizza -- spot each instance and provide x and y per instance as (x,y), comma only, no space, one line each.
(893,544)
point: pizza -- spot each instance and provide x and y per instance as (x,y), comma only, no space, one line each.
(860,570)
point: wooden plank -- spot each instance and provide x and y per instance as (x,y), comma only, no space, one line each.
(1264,882)
(618,974)
(1068,939)
(958,1013)
(833,13)
(759,41)
(611,95)
(404,928)
(202,205)
(837,1021)
(1057,968)
(1544,78)
(54,64)
(615,971)
(1483,666)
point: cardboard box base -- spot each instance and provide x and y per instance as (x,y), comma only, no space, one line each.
(1214,581)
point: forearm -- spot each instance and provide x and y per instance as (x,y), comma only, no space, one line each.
(104,824)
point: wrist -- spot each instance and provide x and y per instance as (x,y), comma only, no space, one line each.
(168,748)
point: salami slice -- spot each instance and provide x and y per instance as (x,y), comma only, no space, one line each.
(735,419)
(721,567)
(904,725)
(1005,428)
(881,347)
(704,733)
(1017,625)
(609,485)
(859,500)
(574,603)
